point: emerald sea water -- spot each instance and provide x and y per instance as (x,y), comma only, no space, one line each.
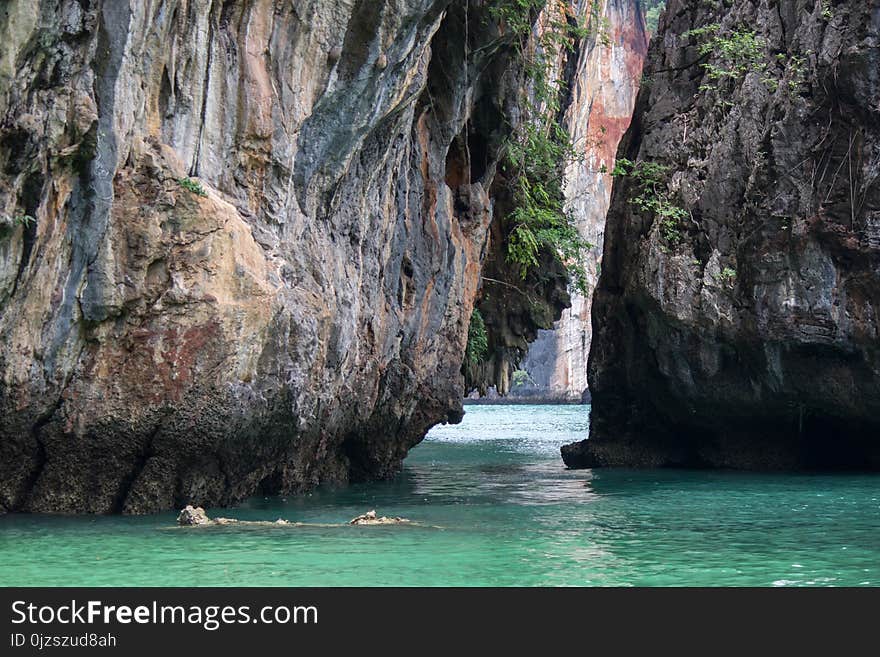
(495,507)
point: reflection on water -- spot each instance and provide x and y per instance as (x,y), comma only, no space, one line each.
(517,483)
(509,513)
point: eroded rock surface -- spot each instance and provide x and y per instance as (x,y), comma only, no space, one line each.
(745,334)
(239,242)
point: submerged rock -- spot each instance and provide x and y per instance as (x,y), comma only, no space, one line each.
(370,518)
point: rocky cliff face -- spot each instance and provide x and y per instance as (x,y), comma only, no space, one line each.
(606,82)
(736,318)
(240,240)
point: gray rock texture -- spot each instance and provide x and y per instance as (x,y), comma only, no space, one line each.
(745,333)
(239,241)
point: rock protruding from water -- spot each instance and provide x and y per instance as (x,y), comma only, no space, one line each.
(190,516)
(370,518)
(195,516)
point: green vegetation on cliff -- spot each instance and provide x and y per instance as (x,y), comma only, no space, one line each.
(652,195)
(734,52)
(193,186)
(540,148)
(478,339)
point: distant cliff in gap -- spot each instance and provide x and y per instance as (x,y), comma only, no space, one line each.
(608,75)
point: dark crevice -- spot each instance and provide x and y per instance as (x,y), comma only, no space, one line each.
(27,487)
(569,70)
(271,484)
(165,94)
(226,14)
(514,308)
(457,163)
(360,34)
(140,463)
(406,286)
(206,91)
(479,153)
(26,491)
(358,455)
(17,150)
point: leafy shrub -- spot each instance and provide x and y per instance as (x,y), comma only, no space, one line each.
(521,378)
(737,52)
(652,195)
(478,339)
(726,276)
(734,53)
(193,186)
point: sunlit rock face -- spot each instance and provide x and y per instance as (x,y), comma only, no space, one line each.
(239,246)
(606,83)
(745,333)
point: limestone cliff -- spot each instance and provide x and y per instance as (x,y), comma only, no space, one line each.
(736,318)
(239,240)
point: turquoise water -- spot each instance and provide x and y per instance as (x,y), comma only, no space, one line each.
(498,508)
